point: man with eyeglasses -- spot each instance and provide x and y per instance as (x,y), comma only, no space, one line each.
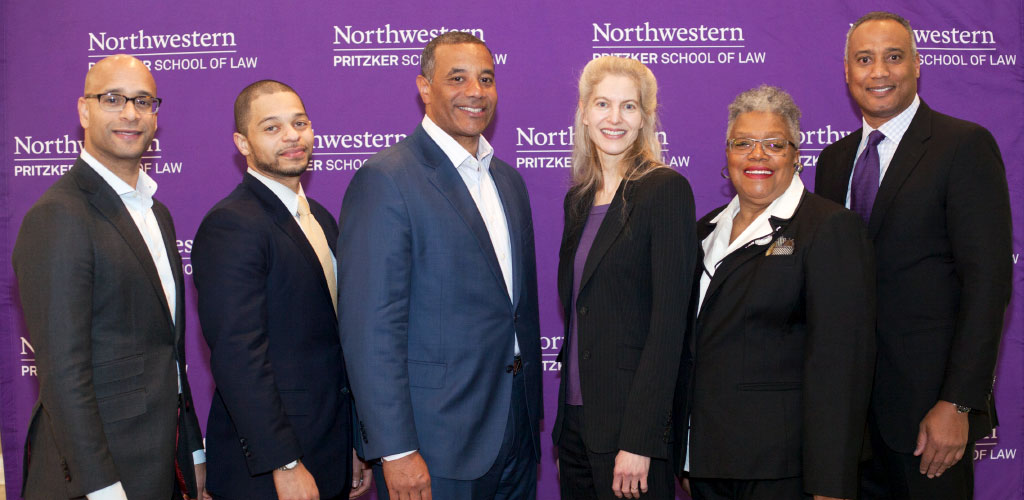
(103,299)
(933,192)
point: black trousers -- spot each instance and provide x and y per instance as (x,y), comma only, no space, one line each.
(584,475)
(790,488)
(892,475)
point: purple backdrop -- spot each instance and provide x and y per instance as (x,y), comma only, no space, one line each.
(354,65)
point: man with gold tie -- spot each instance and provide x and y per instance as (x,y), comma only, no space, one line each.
(280,424)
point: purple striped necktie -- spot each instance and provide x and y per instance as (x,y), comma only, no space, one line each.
(865,177)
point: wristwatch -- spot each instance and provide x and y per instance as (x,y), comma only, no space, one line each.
(289,466)
(961,408)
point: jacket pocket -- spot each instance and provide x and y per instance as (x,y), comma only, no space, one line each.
(118,369)
(122,406)
(426,374)
(769,386)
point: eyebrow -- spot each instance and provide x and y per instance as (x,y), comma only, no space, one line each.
(455,71)
(278,118)
(119,90)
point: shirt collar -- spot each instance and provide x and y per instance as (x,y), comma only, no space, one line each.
(284,193)
(453,150)
(145,186)
(895,127)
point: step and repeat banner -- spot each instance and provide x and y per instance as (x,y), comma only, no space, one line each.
(355,63)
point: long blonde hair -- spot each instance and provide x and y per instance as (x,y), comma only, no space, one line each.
(645,153)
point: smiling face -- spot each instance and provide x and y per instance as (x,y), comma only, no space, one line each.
(613,117)
(461,96)
(881,70)
(117,138)
(279,137)
(759,178)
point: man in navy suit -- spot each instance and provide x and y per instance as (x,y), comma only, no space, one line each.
(437,293)
(280,424)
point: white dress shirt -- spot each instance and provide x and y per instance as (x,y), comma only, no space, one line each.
(893,131)
(476,173)
(290,199)
(760,232)
(138,201)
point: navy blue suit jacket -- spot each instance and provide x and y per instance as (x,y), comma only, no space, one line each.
(424,311)
(276,359)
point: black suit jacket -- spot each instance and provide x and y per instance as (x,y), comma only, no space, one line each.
(105,346)
(632,313)
(941,230)
(275,354)
(781,354)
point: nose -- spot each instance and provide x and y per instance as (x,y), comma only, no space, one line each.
(757,152)
(879,69)
(615,116)
(290,133)
(128,112)
(474,89)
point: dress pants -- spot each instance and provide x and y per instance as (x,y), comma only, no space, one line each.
(891,475)
(790,488)
(514,473)
(585,475)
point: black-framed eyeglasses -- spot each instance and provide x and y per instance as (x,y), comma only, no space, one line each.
(773,146)
(115,102)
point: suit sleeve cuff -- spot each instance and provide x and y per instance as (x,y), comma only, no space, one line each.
(391,458)
(112,492)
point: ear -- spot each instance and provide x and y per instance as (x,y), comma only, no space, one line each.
(583,113)
(917,65)
(241,143)
(846,71)
(83,112)
(423,85)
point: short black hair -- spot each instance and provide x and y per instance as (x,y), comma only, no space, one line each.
(447,38)
(249,94)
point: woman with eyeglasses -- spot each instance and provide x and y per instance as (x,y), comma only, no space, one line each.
(780,358)
(625,274)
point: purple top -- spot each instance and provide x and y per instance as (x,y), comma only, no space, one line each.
(573,396)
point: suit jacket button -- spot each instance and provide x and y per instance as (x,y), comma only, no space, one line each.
(248,454)
(583,310)
(516,317)
(586,354)
(345,391)
(67,477)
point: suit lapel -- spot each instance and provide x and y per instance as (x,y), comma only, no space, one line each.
(109,204)
(741,256)
(447,180)
(908,153)
(506,193)
(286,222)
(164,220)
(840,180)
(615,220)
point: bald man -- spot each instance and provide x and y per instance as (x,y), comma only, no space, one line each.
(102,294)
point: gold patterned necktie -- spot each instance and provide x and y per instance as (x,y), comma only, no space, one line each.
(315,235)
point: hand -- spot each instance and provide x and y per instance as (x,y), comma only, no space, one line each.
(941,439)
(407,478)
(295,484)
(362,476)
(629,478)
(201,493)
